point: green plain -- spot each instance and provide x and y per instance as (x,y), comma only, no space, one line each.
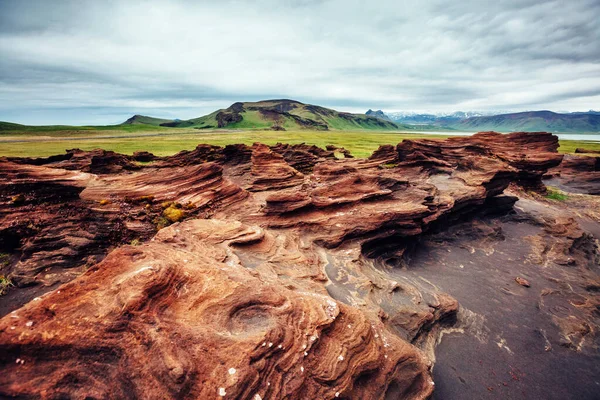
(167,141)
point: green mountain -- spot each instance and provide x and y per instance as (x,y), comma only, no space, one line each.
(9,126)
(531,121)
(283,114)
(144,120)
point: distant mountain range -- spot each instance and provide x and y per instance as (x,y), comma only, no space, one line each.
(284,114)
(436,119)
(275,114)
(528,121)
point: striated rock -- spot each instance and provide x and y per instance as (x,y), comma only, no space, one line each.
(201,185)
(68,220)
(302,157)
(51,229)
(580,150)
(201,154)
(97,161)
(576,174)
(158,324)
(143,156)
(294,274)
(531,154)
(270,171)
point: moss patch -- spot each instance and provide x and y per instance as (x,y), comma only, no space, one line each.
(557,195)
(5,283)
(174,213)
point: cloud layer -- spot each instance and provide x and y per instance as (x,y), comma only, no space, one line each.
(99,62)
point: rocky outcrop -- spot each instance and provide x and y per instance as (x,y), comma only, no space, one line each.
(530,154)
(143,156)
(96,161)
(576,174)
(57,222)
(302,157)
(581,150)
(179,317)
(270,171)
(283,272)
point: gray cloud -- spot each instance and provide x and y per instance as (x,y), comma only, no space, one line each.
(99,62)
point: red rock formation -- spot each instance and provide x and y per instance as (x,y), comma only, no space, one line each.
(270,171)
(580,150)
(180,317)
(282,283)
(201,185)
(577,174)
(531,154)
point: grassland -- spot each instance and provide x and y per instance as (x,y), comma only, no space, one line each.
(167,141)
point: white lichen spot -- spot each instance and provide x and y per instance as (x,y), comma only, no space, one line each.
(301,369)
(376,335)
(12,327)
(231,371)
(146,268)
(222,392)
(331,308)
(29,323)
(17,361)
(337,394)
(303,346)
(257,397)
(264,344)
(385,356)
(313,338)
(305,353)
(280,346)
(37,299)
(270,344)
(185,261)
(341,357)
(268,383)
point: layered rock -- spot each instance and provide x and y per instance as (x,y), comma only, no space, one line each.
(159,324)
(531,154)
(270,171)
(57,222)
(292,276)
(200,185)
(576,174)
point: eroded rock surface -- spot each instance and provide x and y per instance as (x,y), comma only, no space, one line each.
(576,174)
(294,274)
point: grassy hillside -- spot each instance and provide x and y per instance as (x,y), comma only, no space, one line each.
(144,120)
(276,115)
(10,129)
(284,114)
(532,121)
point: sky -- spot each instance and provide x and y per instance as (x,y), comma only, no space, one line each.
(99,62)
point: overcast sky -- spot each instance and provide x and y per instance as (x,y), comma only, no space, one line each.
(99,62)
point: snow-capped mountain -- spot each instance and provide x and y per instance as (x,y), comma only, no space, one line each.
(411,117)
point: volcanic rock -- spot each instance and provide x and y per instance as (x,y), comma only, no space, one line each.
(294,274)
(576,174)
(159,324)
